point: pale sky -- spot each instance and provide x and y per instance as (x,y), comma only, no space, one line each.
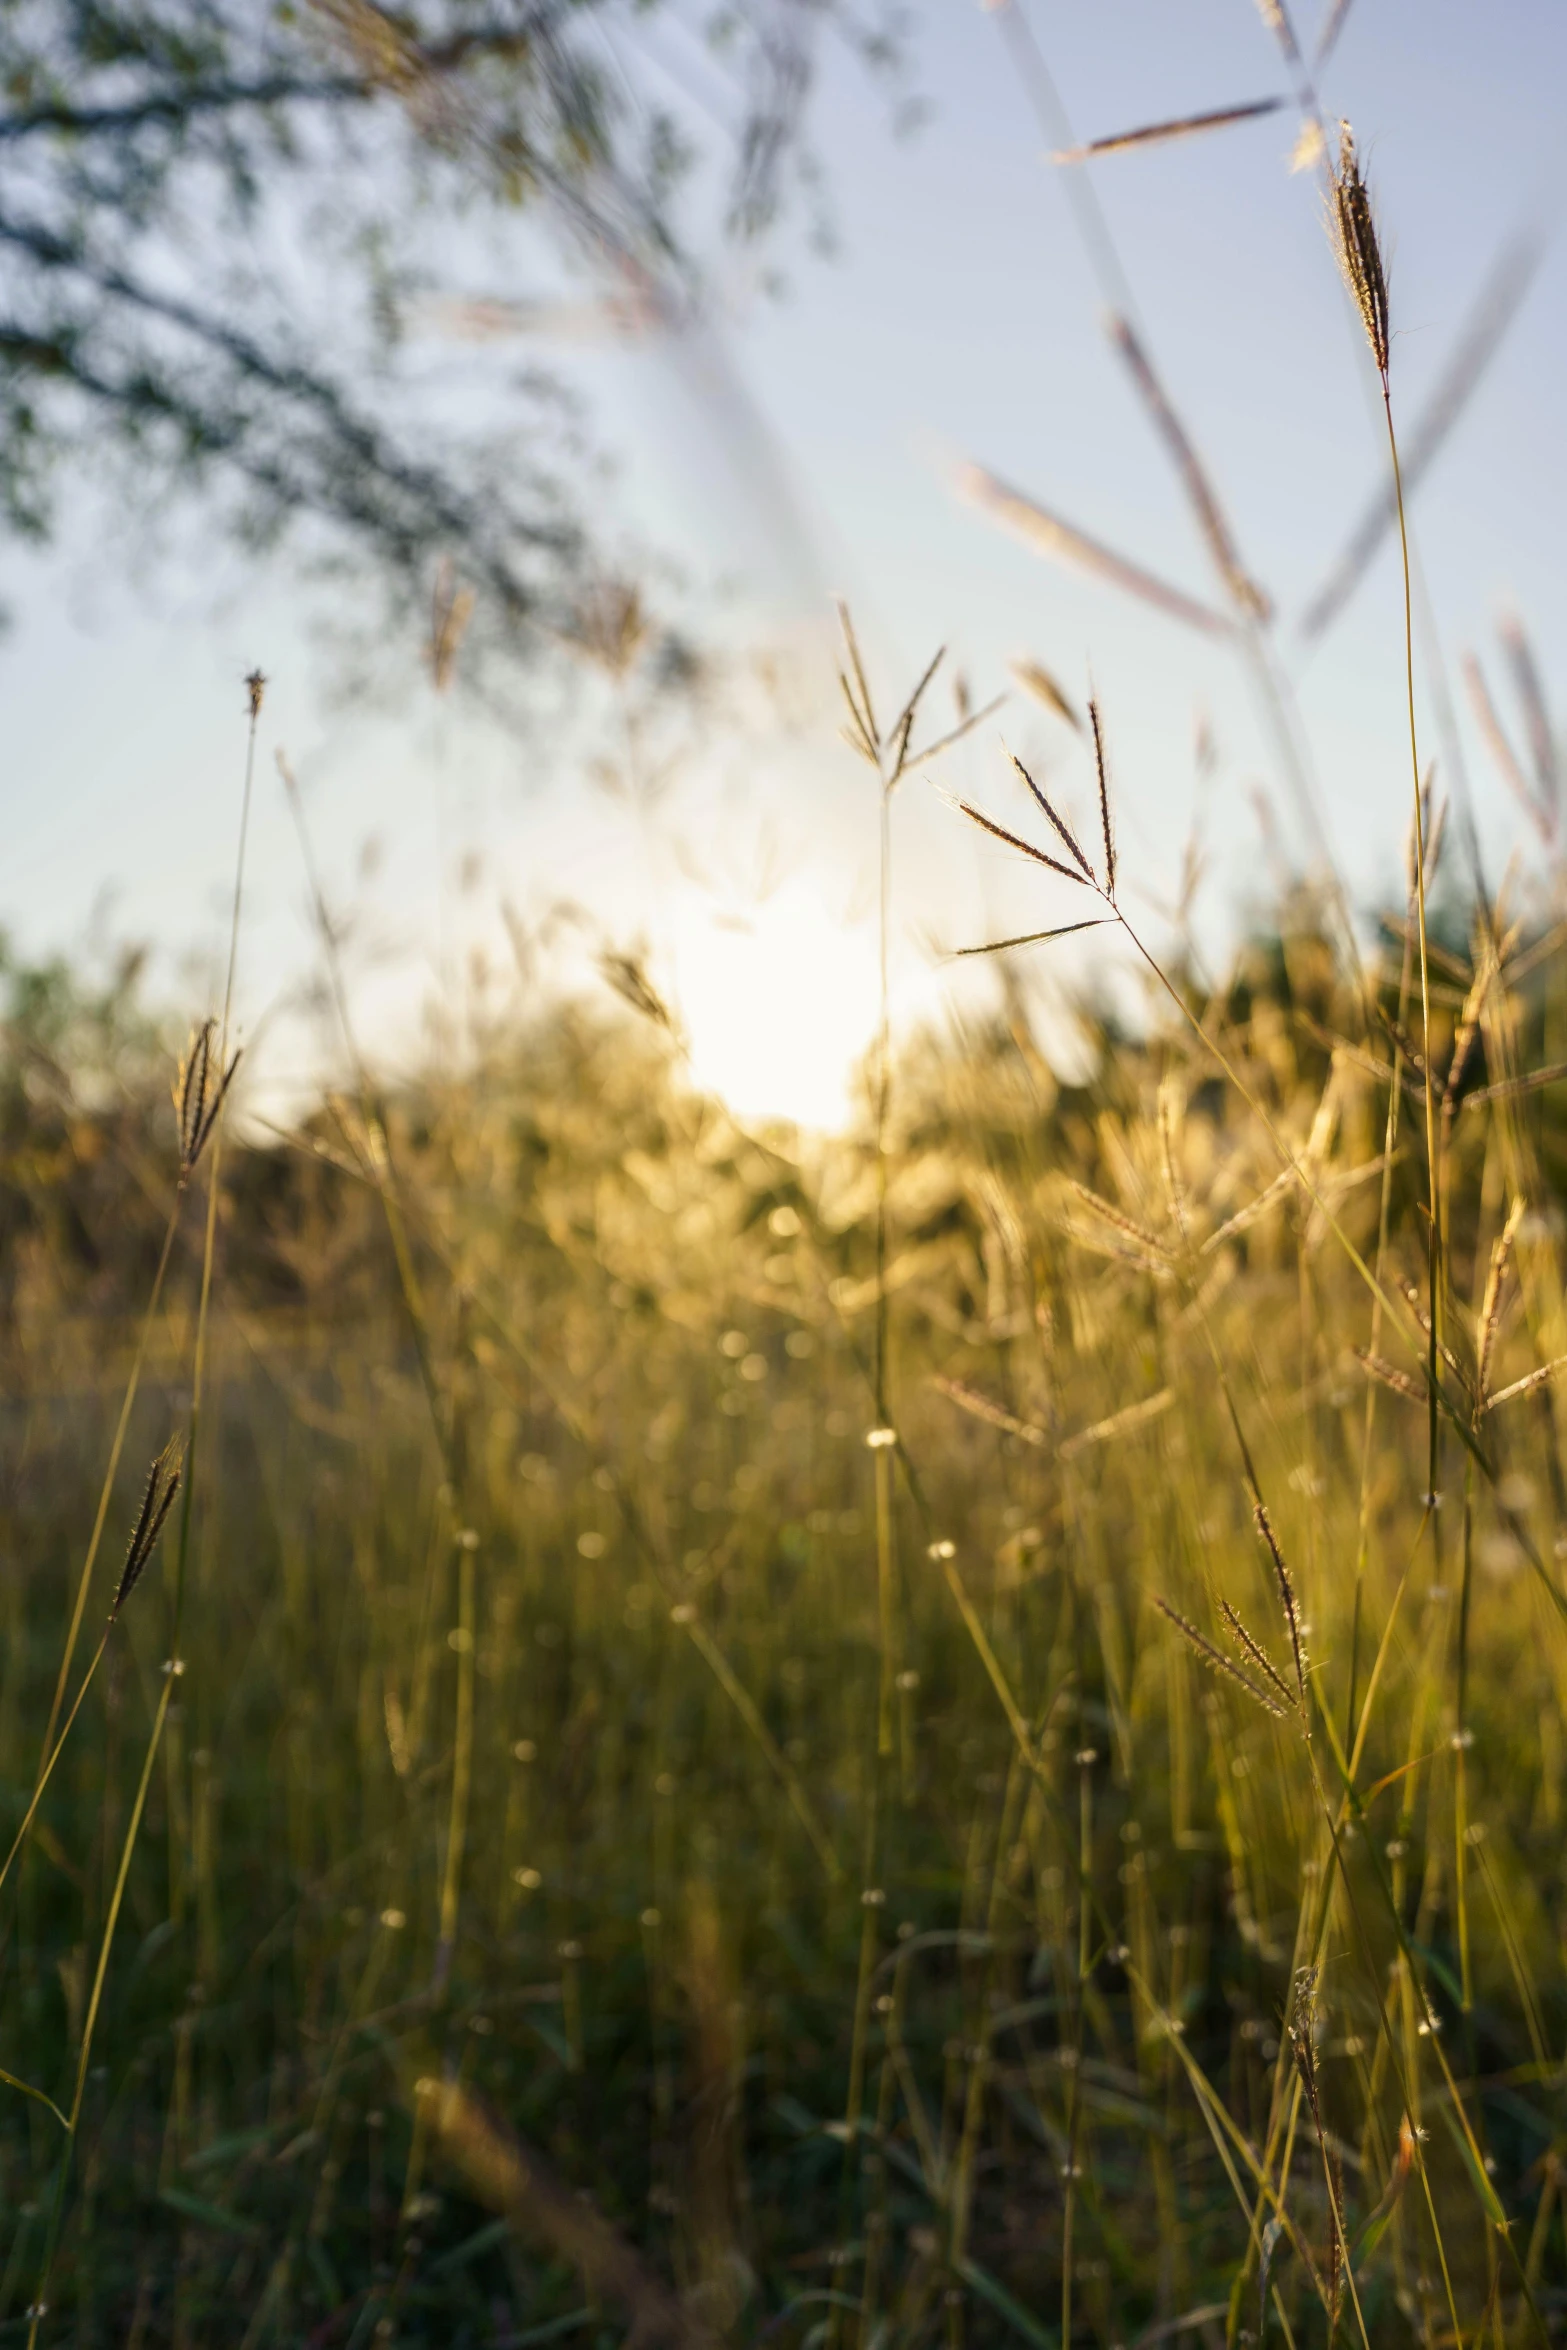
(806,445)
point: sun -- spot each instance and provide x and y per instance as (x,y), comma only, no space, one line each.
(780,1004)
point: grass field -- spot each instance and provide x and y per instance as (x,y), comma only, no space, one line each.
(614,1727)
(682,1805)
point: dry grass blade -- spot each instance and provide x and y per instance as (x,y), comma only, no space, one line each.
(1537,718)
(1121,1222)
(1464,1038)
(1375,2223)
(1037,680)
(1058,822)
(1406,934)
(1529,1383)
(1283,1183)
(1034,938)
(1334,1188)
(1182,126)
(1200,491)
(1508,1088)
(1494,733)
(1000,832)
(903,725)
(163,1483)
(1359,249)
(1420,1313)
(965,725)
(514,2181)
(1435,838)
(1417,834)
(1495,1285)
(1353,1057)
(26,2089)
(1402,1039)
(866,711)
(626,971)
(1190,2321)
(1122,1423)
(1259,1510)
(1331,30)
(1540,950)
(995,1415)
(900,748)
(856,734)
(1106,825)
(1217,1662)
(1303,2046)
(1275,17)
(1048,534)
(1389,1375)
(1255,1650)
(1170,1111)
(1325,1118)
(451,609)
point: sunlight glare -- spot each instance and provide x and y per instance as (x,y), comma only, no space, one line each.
(780,1005)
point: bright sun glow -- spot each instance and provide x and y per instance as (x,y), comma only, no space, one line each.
(779,1007)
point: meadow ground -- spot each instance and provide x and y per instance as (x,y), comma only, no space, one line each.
(810,1744)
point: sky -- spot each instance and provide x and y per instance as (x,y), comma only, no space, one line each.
(806,443)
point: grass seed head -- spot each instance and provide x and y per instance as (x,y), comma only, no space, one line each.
(1216,1660)
(1303,2047)
(1255,1650)
(1056,820)
(163,1483)
(1286,1595)
(199,1093)
(1355,241)
(1106,824)
(1495,1290)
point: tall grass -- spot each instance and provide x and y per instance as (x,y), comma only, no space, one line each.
(954,1734)
(1161,2002)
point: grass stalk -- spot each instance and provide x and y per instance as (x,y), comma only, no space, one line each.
(174,1666)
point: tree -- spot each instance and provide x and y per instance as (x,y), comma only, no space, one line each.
(214,215)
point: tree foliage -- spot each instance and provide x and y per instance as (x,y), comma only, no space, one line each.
(214,215)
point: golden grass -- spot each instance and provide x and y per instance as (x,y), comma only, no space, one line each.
(958,1734)
(597,1759)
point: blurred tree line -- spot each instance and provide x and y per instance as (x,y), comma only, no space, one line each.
(578,1087)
